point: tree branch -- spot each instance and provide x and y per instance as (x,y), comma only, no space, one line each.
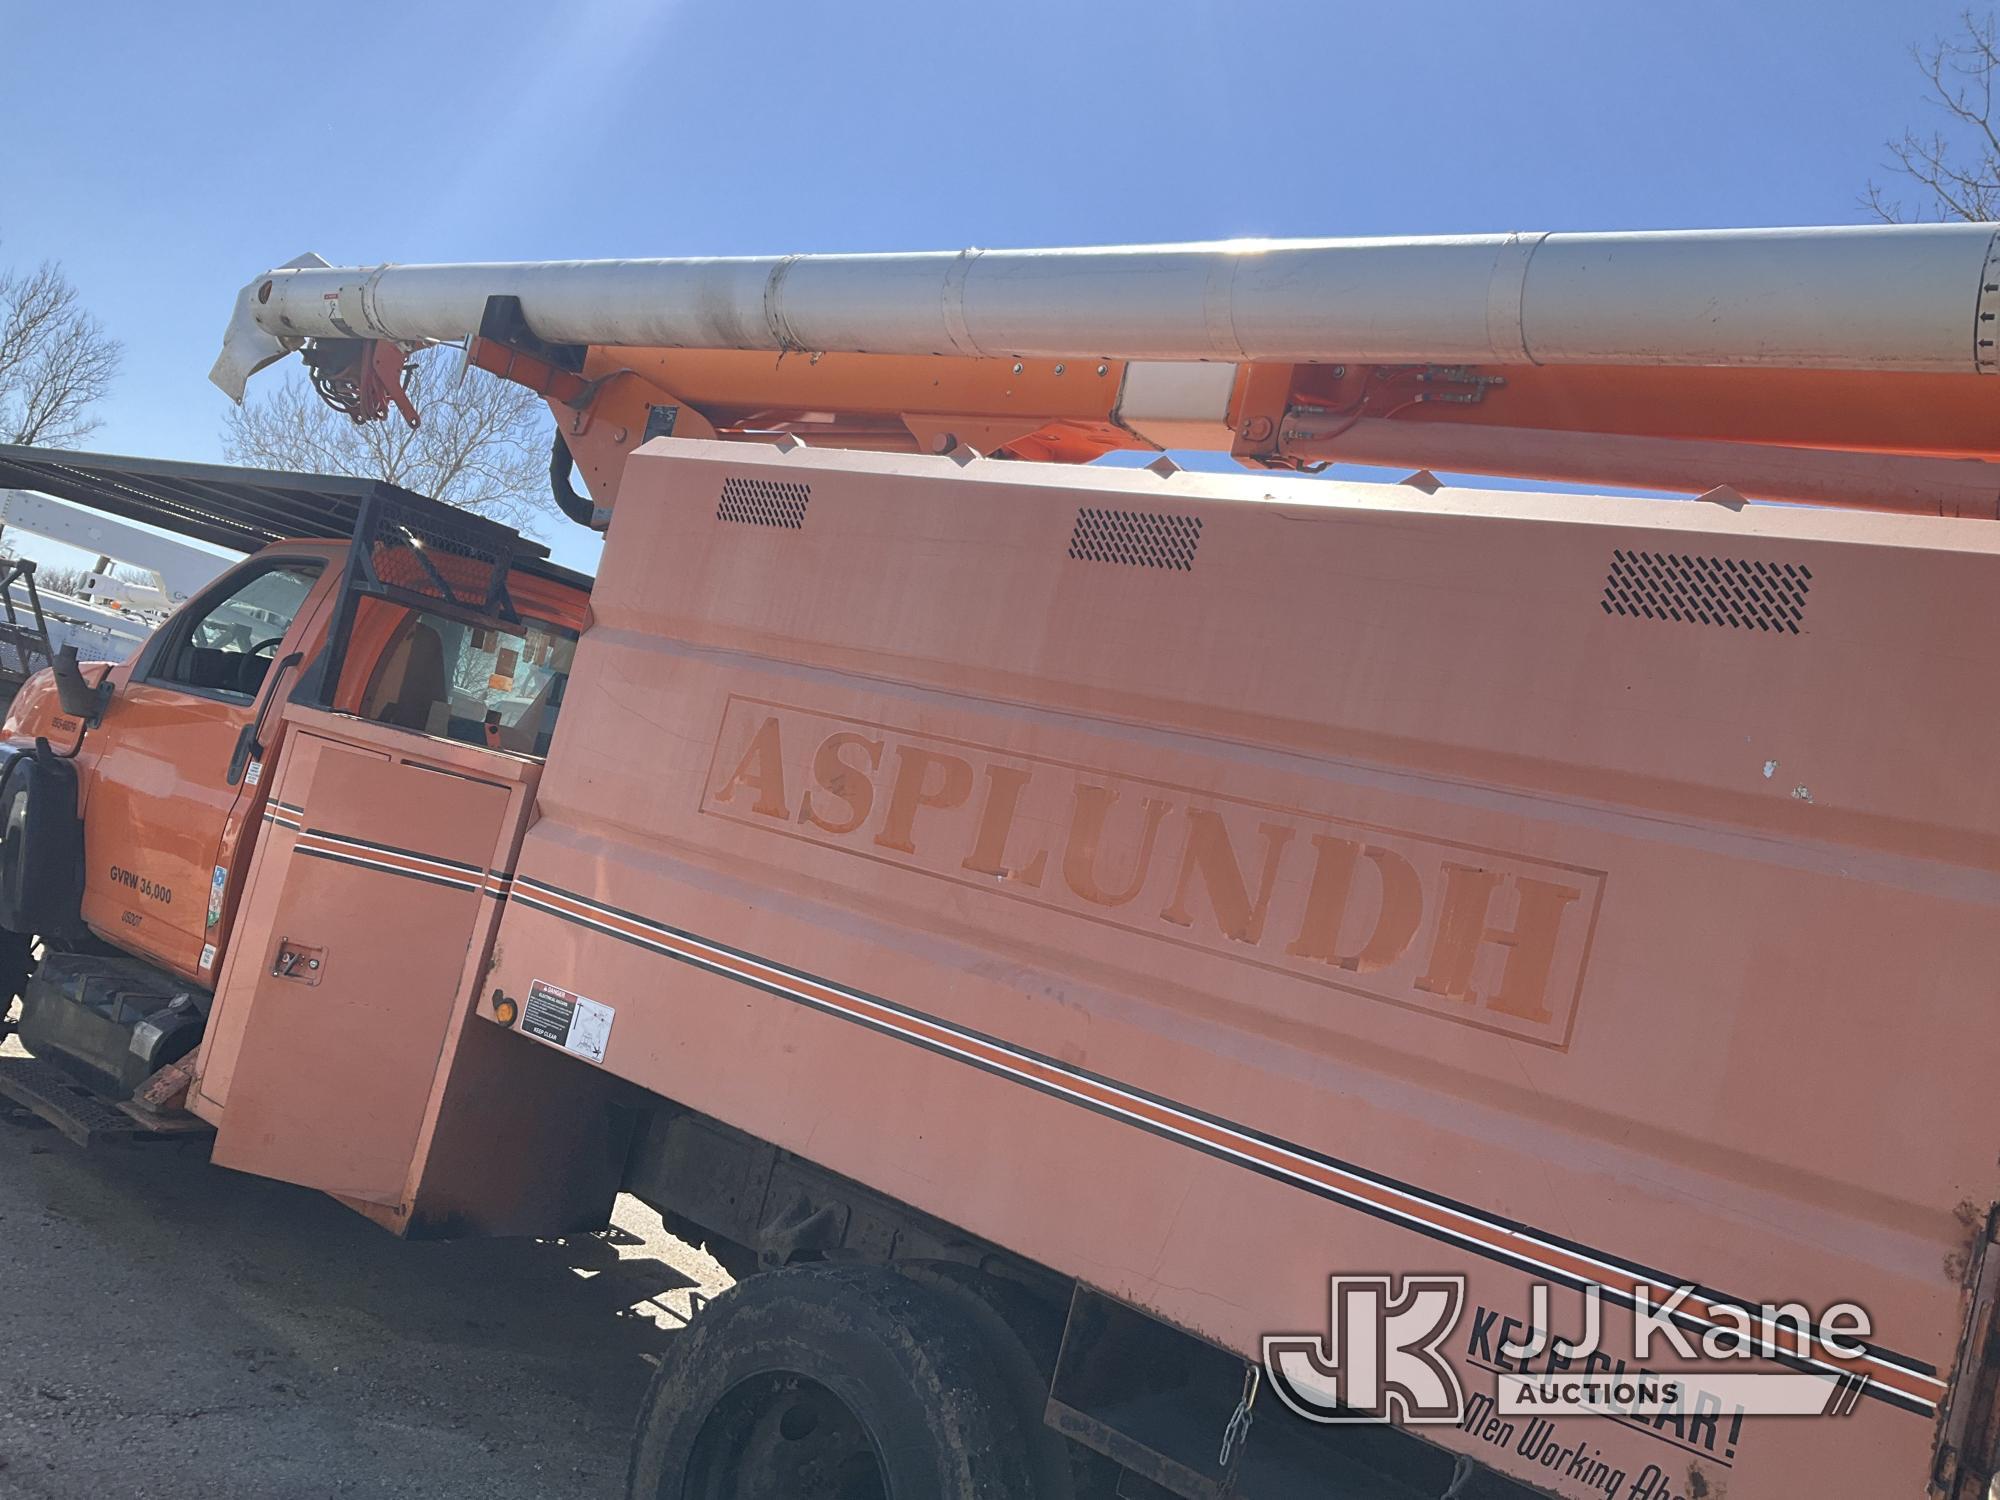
(483,443)
(56,360)
(1959,172)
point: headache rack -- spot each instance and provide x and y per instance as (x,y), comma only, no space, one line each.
(24,633)
(426,556)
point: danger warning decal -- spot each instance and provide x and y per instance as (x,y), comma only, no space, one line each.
(571,1021)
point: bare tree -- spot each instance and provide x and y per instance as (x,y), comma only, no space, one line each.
(56,360)
(483,444)
(62,580)
(1957,167)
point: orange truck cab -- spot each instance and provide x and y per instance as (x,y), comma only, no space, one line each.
(133,793)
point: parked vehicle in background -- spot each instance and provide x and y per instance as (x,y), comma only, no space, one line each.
(104,611)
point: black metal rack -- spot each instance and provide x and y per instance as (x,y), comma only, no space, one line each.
(227,505)
(27,639)
(425,556)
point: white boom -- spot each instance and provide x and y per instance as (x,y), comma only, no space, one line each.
(1880,297)
(108,617)
(173,569)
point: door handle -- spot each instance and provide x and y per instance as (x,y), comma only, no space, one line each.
(250,742)
(296,961)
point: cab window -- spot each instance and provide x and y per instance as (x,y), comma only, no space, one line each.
(476,684)
(227,648)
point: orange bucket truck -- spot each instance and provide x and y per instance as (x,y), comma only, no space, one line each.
(1155,982)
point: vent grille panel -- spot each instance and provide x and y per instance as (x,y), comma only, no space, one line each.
(1730,592)
(764,502)
(1136,538)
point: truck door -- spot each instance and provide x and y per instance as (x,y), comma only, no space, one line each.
(362,935)
(159,794)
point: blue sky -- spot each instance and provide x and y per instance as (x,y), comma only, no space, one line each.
(168,153)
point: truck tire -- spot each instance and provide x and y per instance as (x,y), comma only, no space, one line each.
(14,876)
(829,1382)
(1022,1336)
(17,962)
(41,847)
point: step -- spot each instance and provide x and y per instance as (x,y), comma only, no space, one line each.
(77,1113)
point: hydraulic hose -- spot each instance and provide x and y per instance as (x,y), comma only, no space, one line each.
(561,465)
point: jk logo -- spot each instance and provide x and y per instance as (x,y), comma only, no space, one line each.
(1379,1359)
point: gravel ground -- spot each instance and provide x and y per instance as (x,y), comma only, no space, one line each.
(173,1329)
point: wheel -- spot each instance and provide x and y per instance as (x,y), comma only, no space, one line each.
(829,1382)
(17,962)
(1023,1336)
(14,847)
(17,959)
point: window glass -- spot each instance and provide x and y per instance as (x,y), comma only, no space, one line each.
(229,647)
(477,684)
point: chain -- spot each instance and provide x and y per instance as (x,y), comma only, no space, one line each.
(1239,1420)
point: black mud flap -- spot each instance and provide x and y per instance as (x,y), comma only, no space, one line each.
(41,844)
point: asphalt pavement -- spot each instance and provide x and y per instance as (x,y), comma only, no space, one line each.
(175,1329)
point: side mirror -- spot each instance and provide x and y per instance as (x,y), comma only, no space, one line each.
(79,699)
(250,742)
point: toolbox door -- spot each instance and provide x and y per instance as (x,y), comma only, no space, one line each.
(351,971)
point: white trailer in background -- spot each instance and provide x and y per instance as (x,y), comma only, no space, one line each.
(108,616)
